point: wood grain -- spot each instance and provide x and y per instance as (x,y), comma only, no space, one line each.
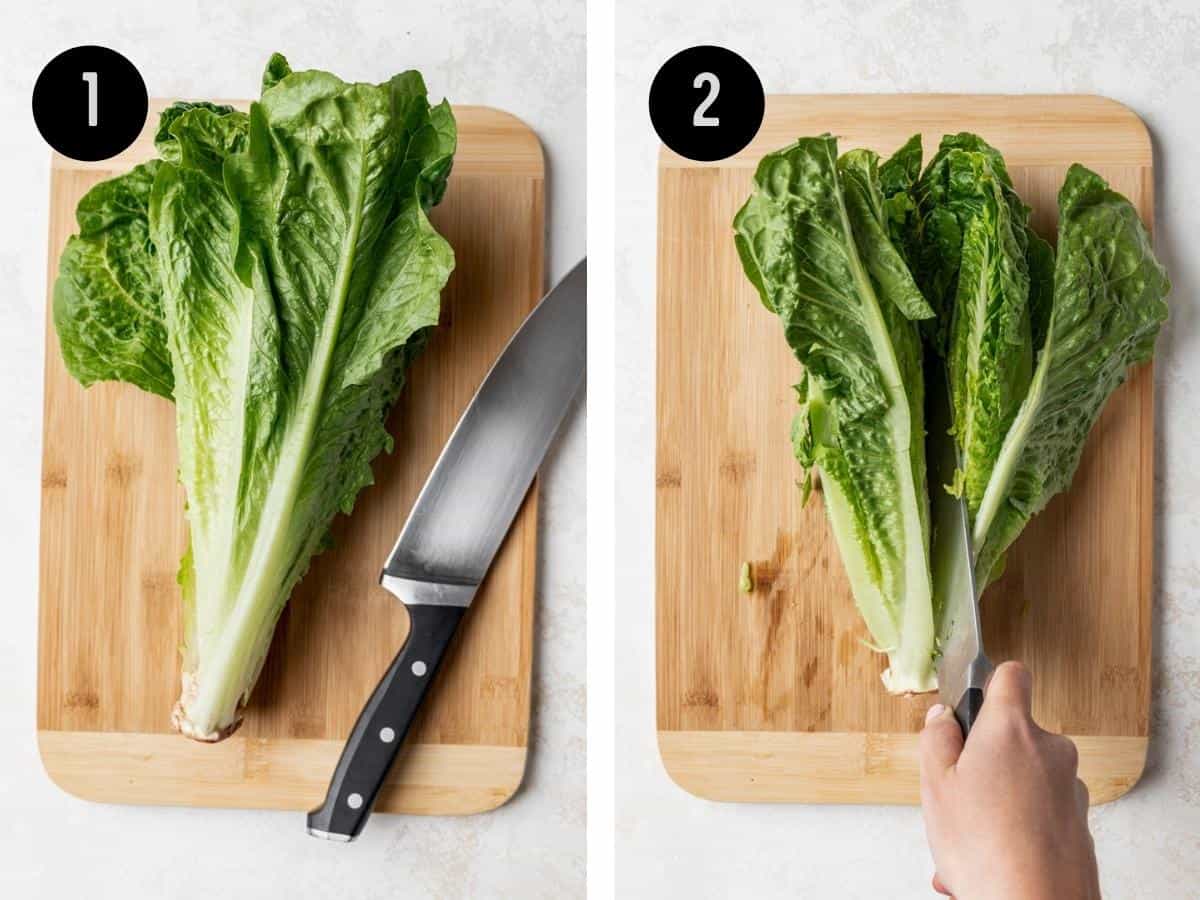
(773,695)
(112,532)
(850,767)
(274,773)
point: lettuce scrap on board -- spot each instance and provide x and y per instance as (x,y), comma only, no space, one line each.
(875,268)
(274,273)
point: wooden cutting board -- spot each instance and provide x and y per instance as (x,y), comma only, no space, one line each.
(112,532)
(772,695)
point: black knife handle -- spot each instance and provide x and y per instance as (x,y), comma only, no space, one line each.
(382,725)
(968,709)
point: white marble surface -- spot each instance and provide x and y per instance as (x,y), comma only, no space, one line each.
(672,844)
(53,845)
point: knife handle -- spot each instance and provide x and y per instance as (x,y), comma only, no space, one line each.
(968,709)
(382,725)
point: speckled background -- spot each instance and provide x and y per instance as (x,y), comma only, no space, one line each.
(526,56)
(1143,54)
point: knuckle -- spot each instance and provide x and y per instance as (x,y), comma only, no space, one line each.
(1082,789)
(1065,751)
(1012,668)
(1011,674)
(1013,721)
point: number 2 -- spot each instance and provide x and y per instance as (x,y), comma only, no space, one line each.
(91,79)
(700,117)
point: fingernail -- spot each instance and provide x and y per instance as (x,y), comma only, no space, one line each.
(934,711)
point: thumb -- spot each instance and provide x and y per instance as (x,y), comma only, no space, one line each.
(941,742)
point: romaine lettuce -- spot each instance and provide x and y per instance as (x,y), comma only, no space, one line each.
(1106,309)
(296,274)
(1034,345)
(814,240)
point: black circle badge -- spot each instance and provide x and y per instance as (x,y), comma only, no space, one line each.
(706,103)
(90,103)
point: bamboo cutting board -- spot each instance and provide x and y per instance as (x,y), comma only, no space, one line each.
(772,695)
(112,532)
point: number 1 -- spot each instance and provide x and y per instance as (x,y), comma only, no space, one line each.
(90,78)
(700,117)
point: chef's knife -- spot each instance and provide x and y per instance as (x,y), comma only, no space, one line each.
(963,667)
(454,530)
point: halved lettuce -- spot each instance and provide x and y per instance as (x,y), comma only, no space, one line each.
(973,268)
(1107,306)
(814,240)
(296,273)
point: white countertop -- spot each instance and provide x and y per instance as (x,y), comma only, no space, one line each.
(53,845)
(672,844)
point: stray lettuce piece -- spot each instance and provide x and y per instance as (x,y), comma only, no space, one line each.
(814,240)
(107,297)
(1108,304)
(976,272)
(746,579)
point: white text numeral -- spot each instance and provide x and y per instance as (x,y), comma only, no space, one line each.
(90,78)
(700,117)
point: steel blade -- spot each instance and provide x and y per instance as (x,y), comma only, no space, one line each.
(476,487)
(962,663)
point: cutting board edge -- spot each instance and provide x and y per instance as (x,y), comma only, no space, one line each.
(438,779)
(749,156)
(862,768)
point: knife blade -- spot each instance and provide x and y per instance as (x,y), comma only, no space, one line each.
(455,528)
(963,667)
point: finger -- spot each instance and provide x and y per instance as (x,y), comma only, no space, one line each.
(1011,688)
(1066,754)
(940,888)
(941,742)
(1082,798)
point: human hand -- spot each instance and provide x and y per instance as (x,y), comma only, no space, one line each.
(1005,815)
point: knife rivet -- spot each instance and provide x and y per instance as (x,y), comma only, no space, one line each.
(387,735)
(418,668)
(354,801)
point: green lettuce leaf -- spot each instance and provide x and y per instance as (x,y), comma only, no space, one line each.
(898,177)
(165,141)
(107,297)
(1108,304)
(814,240)
(974,269)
